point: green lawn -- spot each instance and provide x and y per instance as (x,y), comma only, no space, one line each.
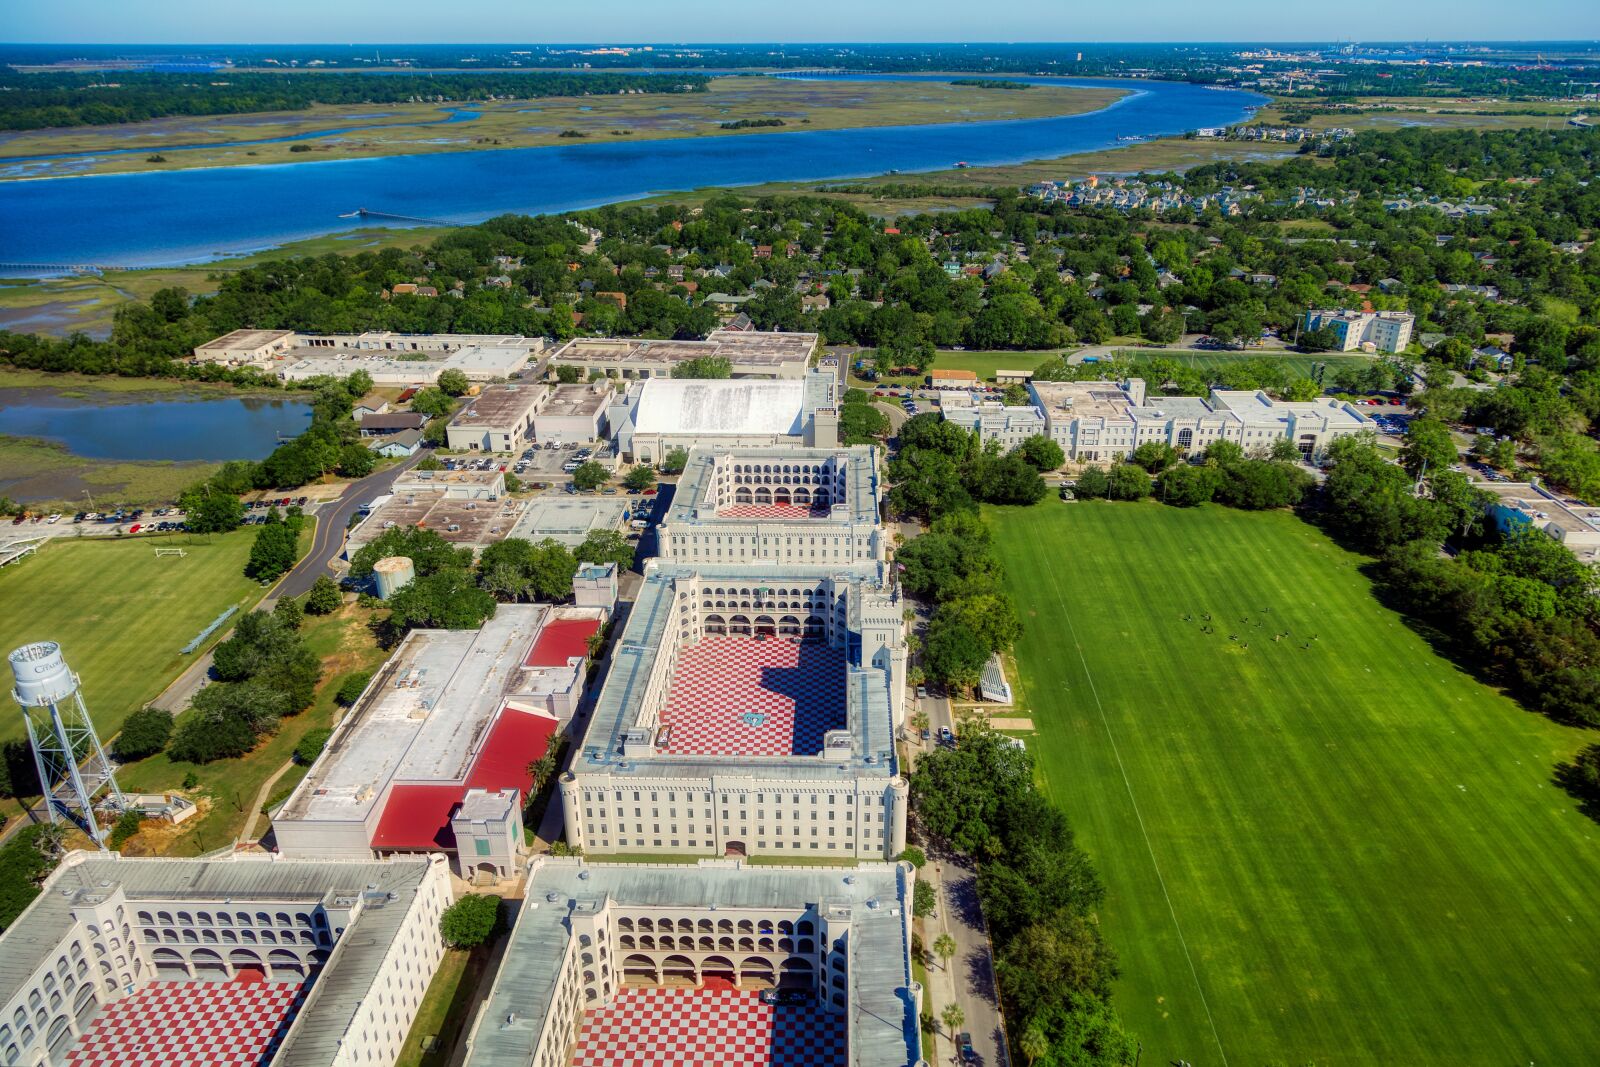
(1297,362)
(1347,853)
(119,613)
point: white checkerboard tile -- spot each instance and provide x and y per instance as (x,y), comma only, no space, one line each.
(726,1027)
(190,1024)
(736,696)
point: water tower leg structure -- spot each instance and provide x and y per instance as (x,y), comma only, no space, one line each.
(67,753)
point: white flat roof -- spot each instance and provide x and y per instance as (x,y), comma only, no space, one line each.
(421,717)
(729,406)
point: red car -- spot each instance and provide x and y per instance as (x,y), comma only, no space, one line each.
(134,528)
(649,492)
(1395,401)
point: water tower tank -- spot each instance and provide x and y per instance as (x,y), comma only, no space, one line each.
(42,675)
(393,573)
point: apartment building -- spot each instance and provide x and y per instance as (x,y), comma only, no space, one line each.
(1378,331)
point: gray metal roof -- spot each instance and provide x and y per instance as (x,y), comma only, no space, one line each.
(882,1022)
(352,968)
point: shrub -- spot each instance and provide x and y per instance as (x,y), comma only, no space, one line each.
(324,598)
(145,733)
(311,745)
(470,921)
(127,825)
(351,688)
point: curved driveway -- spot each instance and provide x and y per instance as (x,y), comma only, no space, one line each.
(332,524)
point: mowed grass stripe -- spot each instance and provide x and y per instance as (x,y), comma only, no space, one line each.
(1361,843)
(119,613)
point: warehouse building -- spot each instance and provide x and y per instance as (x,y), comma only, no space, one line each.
(752,354)
(434,755)
(1528,505)
(658,415)
(750,709)
(498,419)
(242,959)
(625,963)
(247,346)
(391,358)
(574,414)
(810,505)
(467,508)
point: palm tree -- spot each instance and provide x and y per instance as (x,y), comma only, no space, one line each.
(953,1017)
(1034,1044)
(944,946)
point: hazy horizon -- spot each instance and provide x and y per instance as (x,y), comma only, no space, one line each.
(318,22)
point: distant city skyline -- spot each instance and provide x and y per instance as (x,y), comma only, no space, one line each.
(821,21)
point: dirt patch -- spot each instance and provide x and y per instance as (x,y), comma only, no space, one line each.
(157,836)
(1012,724)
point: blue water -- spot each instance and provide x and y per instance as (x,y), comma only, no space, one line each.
(125,427)
(188,216)
(10,168)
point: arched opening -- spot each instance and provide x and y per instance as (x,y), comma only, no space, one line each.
(715,624)
(735,848)
(246,959)
(285,962)
(763,495)
(781,496)
(208,962)
(679,971)
(802,496)
(757,972)
(717,969)
(640,970)
(789,626)
(814,629)
(1185,440)
(739,624)
(766,626)
(796,973)
(741,495)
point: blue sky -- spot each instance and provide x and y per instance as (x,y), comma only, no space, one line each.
(315,21)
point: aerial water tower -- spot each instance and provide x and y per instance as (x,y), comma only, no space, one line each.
(72,766)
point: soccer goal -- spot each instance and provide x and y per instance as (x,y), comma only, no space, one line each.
(180,553)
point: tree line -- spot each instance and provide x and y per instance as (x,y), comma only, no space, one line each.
(1040,896)
(48,100)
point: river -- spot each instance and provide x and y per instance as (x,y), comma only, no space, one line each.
(186,216)
(152,426)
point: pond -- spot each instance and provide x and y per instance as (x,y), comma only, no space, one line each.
(153,426)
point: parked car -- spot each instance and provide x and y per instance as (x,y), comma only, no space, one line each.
(964,1047)
(945,736)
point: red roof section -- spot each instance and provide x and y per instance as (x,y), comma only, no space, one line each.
(561,640)
(418,816)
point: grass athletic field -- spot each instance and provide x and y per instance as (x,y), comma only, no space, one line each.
(1297,362)
(119,613)
(1332,848)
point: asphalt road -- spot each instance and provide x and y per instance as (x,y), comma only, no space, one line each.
(332,522)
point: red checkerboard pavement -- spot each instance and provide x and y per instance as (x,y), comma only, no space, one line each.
(770,511)
(736,696)
(727,1027)
(189,1024)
